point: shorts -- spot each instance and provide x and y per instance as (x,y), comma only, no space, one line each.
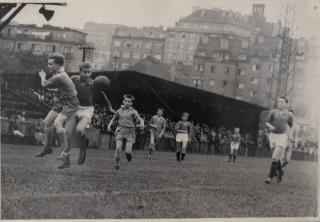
(182,137)
(278,140)
(127,134)
(234,146)
(68,110)
(85,111)
(155,134)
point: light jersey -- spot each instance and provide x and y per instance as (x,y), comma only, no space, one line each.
(236,137)
(86,92)
(160,123)
(183,126)
(280,120)
(127,118)
(67,93)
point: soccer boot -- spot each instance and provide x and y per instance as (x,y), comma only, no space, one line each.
(279,178)
(268,180)
(44,152)
(63,155)
(65,164)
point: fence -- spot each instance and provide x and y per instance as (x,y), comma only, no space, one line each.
(98,140)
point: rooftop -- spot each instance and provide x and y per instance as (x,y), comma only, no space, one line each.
(46,27)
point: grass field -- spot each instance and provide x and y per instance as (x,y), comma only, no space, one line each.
(204,186)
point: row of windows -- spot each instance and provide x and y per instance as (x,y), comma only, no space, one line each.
(129,44)
(212,83)
(49,48)
(181,46)
(241,72)
(6,44)
(135,55)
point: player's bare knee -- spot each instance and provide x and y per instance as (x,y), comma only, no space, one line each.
(79,131)
(58,126)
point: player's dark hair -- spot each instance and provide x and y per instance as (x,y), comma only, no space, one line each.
(57,58)
(85,65)
(284,98)
(128,96)
(291,111)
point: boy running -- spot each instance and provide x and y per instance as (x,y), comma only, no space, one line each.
(235,144)
(126,118)
(183,129)
(157,128)
(277,122)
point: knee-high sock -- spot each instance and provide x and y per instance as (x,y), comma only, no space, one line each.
(83,146)
(178,156)
(183,155)
(64,141)
(279,167)
(48,136)
(273,169)
(129,156)
(117,161)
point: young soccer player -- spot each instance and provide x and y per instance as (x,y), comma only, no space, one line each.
(82,117)
(64,108)
(127,118)
(235,144)
(157,128)
(277,122)
(183,129)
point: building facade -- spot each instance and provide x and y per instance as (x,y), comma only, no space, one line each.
(101,36)
(44,40)
(184,37)
(130,45)
(230,54)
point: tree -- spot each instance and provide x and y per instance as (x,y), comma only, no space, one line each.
(21,62)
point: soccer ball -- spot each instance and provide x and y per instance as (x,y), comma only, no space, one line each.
(101,82)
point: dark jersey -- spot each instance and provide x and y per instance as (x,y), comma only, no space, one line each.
(86,92)
(280,120)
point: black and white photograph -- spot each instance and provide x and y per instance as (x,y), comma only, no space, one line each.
(203,110)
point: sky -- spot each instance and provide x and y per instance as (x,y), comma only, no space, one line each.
(164,12)
(167,12)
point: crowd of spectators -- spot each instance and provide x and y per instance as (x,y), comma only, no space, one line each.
(218,137)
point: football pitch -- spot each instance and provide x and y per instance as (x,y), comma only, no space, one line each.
(205,186)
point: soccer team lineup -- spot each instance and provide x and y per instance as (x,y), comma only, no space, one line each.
(74,108)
